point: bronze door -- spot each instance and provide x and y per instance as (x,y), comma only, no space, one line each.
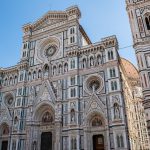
(46,141)
(98,142)
(4,145)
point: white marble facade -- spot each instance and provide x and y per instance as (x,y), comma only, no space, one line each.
(65,90)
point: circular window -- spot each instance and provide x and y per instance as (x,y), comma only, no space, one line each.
(94,84)
(9,100)
(51,51)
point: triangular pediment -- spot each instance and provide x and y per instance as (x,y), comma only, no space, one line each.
(46,93)
(95,104)
(50,18)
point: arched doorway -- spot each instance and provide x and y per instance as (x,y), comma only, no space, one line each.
(46,141)
(46,137)
(96,132)
(44,129)
(4,136)
(98,142)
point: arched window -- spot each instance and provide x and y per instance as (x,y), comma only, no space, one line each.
(29,76)
(39,74)
(60,69)
(73,92)
(15,80)
(72,63)
(47,118)
(112,73)
(84,63)
(72,81)
(120,141)
(114,85)
(10,81)
(110,55)
(46,70)
(66,67)
(72,30)
(147,21)
(5,82)
(73,143)
(96,122)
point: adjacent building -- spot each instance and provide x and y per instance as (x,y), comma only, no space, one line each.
(139,17)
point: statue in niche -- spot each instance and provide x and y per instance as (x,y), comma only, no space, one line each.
(116,111)
(84,63)
(46,71)
(91,61)
(34,145)
(16,123)
(66,67)
(73,104)
(72,116)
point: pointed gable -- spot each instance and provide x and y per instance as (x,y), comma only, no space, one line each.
(46,93)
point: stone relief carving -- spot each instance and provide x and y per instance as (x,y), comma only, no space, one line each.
(116,111)
(58,112)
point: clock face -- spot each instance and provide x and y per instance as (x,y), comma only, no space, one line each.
(51,51)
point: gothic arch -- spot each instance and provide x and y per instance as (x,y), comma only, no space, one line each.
(4,129)
(90,117)
(41,109)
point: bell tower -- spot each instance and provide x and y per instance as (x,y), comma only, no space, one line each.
(139,17)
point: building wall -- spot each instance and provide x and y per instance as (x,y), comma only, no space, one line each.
(139,13)
(64,85)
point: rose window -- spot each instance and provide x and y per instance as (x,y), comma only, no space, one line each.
(51,51)
(94,84)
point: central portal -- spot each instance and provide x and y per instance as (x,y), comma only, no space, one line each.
(4,145)
(46,141)
(98,142)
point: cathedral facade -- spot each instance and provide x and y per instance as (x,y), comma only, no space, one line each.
(67,93)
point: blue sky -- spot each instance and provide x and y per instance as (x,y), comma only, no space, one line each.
(99,19)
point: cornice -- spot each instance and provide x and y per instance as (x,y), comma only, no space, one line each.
(53,17)
(138,4)
(107,42)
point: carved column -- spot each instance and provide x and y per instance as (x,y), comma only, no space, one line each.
(58,126)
